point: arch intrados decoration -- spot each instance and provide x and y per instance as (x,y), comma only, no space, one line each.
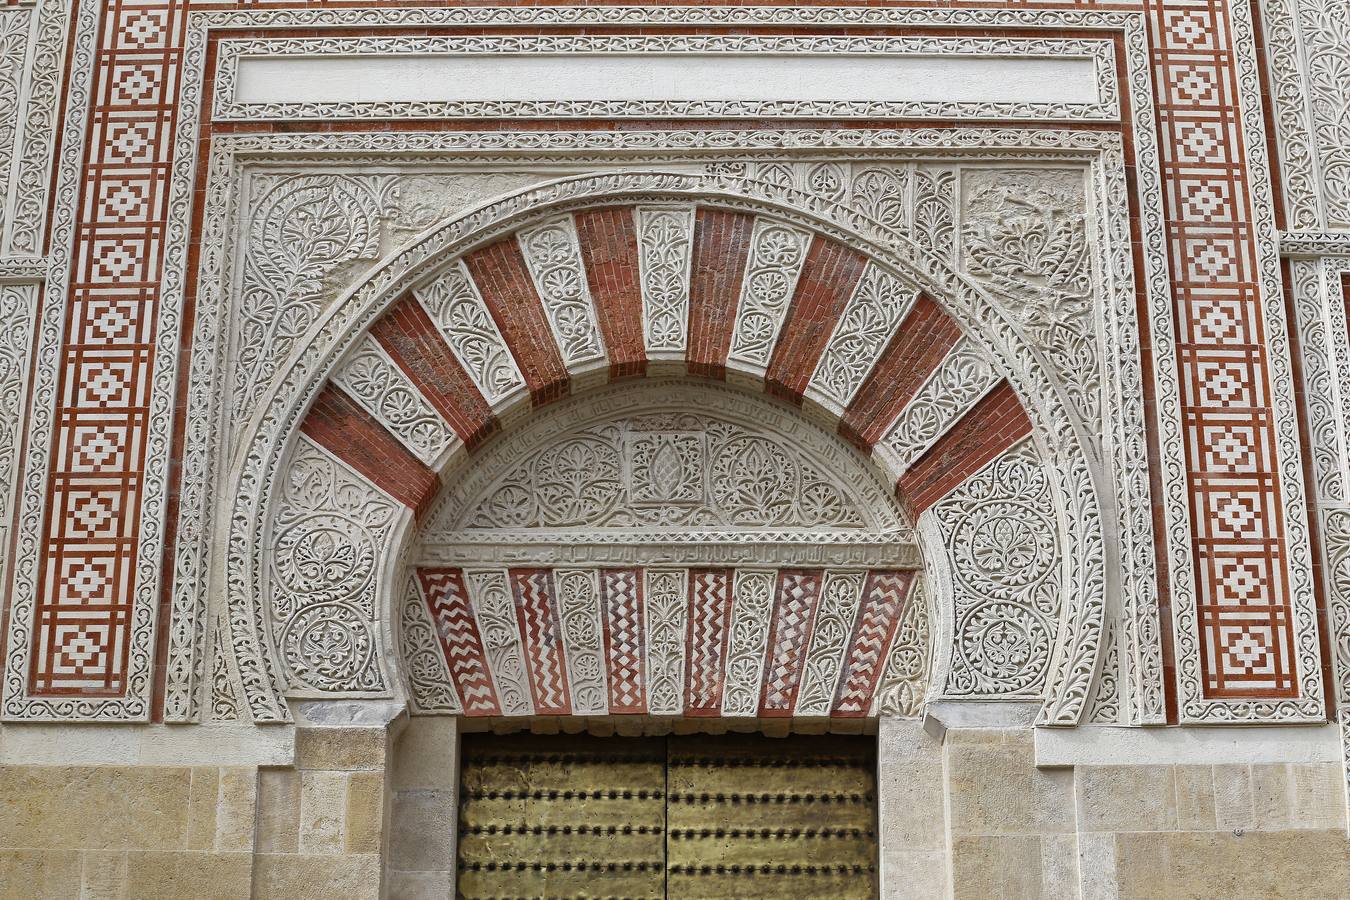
(274,429)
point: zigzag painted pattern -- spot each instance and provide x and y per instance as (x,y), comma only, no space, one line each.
(883,599)
(625,643)
(794,614)
(709,627)
(532,590)
(448,601)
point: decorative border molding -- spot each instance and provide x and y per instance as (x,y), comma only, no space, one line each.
(228,108)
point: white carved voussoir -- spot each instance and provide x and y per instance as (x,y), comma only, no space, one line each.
(460,315)
(383,389)
(553,254)
(665,253)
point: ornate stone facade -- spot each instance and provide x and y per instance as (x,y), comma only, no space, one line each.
(702,368)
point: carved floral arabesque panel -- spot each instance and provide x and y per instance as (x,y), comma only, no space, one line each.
(330,533)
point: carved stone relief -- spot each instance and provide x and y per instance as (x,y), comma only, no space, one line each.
(1004,556)
(17,310)
(330,539)
(14,24)
(1024,239)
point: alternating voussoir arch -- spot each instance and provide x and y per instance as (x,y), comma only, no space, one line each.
(573,283)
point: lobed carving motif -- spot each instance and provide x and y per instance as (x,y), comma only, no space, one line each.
(960,380)
(835,614)
(934,218)
(580,616)
(496,614)
(665,252)
(670,469)
(380,386)
(14,24)
(1003,550)
(553,255)
(903,684)
(303,228)
(429,686)
(1105,708)
(1024,240)
(18,304)
(750,619)
(330,532)
(463,319)
(878,304)
(1325,33)
(666,600)
(777,252)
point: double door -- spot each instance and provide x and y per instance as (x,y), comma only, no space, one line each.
(698,817)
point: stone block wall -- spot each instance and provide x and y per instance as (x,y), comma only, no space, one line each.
(369,812)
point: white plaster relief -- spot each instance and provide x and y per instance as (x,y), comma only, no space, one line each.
(662,76)
(14,30)
(666,607)
(429,687)
(836,611)
(1003,549)
(461,316)
(495,611)
(903,684)
(665,253)
(553,255)
(869,320)
(18,309)
(383,389)
(749,639)
(777,252)
(579,615)
(330,538)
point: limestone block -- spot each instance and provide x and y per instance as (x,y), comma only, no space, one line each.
(103,875)
(339,748)
(995,788)
(278,810)
(1271,799)
(1097,866)
(911,810)
(422,833)
(1195,798)
(1126,798)
(913,874)
(323,806)
(205,799)
(1059,865)
(425,754)
(39,874)
(421,885)
(1233,797)
(94,807)
(201,876)
(1318,796)
(237,817)
(291,876)
(1184,865)
(990,867)
(365,812)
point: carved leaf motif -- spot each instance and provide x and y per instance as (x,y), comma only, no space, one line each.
(302,229)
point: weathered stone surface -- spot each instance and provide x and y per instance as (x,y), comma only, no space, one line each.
(289,876)
(365,812)
(278,811)
(1007,867)
(996,789)
(1256,864)
(423,830)
(39,874)
(421,885)
(1126,798)
(323,805)
(57,807)
(201,876)
(340,748)
(425,754)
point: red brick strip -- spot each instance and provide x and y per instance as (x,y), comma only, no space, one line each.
(408,335)
(990,427)
(609,252)
(923,340)
(502,278)
(354,436)
(829,275)
(721,250)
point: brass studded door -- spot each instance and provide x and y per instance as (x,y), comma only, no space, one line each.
(697,817)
